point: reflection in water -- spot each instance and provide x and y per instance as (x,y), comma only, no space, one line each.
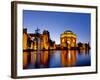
(68,57)
(35,59)
(44,58)
(29,58)
(51,59)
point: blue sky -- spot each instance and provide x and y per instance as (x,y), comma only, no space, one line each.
(58,22)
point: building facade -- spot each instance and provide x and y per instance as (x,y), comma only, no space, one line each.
(25,38)
(37,41)
(68,40)
(45,40)
(42,41)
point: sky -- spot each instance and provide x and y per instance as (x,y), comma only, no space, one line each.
(58,22)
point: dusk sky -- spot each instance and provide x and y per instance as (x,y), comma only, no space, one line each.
(58,22)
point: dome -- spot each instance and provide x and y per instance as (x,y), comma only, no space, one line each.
(68,33)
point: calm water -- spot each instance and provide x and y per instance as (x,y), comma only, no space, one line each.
(54,59)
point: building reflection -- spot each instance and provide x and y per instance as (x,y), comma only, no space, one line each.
(68,57)
(36,59)
(44,59)
(25,60)
(29,58)
(83,52)
(33,57)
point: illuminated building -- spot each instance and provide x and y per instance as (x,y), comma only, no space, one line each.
(83,46)
(52,45)
(36,41)
(25,37)
(68,40)
(45,40)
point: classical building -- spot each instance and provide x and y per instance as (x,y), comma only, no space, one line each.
(68,40)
